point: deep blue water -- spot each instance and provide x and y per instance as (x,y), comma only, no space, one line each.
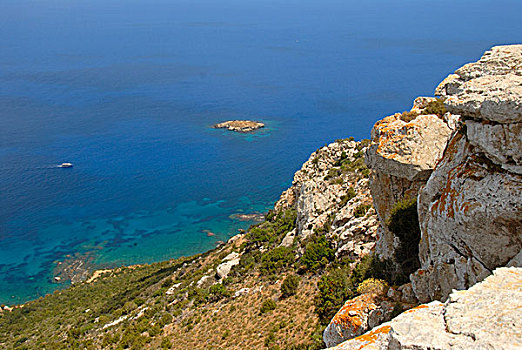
(128,90)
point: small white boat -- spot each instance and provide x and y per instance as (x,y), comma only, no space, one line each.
(65,165)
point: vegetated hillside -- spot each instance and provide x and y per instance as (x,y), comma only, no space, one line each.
(275,287)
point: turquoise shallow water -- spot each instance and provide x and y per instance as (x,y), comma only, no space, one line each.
(128,90)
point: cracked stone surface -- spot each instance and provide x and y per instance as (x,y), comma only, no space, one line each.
(470,210)
(402,155)
(489,89)
(487,316)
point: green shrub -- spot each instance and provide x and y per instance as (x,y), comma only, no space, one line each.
(268,305)
(361,210)
(165,319)
(436,107)
(317,253)
(198,295)
(290,285)
(166,343)
(276,259)
(403,222)
(335,288)
(409,116)
(218,292)
(348,196)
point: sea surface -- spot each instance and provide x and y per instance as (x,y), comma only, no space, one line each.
(127,91)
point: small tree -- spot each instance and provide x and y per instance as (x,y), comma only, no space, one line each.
(290,285)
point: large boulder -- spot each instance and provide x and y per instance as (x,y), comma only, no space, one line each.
(487,316)
(231,260)
(356,317)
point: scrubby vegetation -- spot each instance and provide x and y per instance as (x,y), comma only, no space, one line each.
(283,295)
(408,116)
(373,286)
(436,107)
(290,285)
(318,253)
(403,222)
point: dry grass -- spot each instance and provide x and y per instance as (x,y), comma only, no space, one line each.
(238,324)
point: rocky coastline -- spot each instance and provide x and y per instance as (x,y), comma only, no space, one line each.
(410,240)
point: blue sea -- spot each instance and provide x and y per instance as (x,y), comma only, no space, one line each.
(127,91)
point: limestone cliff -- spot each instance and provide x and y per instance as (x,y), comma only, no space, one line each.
(455,161)
(464,165)
(471,207)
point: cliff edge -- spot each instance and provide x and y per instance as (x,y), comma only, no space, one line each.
(446,184)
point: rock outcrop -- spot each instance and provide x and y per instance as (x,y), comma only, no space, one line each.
(357,316)
(487,316)
(231,260)
(471,207)
(326,192)
(404,150)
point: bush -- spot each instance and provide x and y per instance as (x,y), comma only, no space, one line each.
(348,196)
(317,253)
(403,222)
(334,288)
(290,285)
(198,295)
(361,210)
(409,116)
(268,305)
(218,292)
(373,286)
(436,107)
(166,343)
(165,319)
(276,259)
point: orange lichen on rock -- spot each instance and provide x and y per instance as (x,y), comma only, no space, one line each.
(350,316)
(371,337)
(417,308)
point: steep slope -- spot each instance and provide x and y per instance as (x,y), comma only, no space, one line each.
(273,286)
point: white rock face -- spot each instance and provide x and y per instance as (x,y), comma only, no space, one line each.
(489,89)
(487,316)
(407,149)
(319,193)
(226,265)
(470,210)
